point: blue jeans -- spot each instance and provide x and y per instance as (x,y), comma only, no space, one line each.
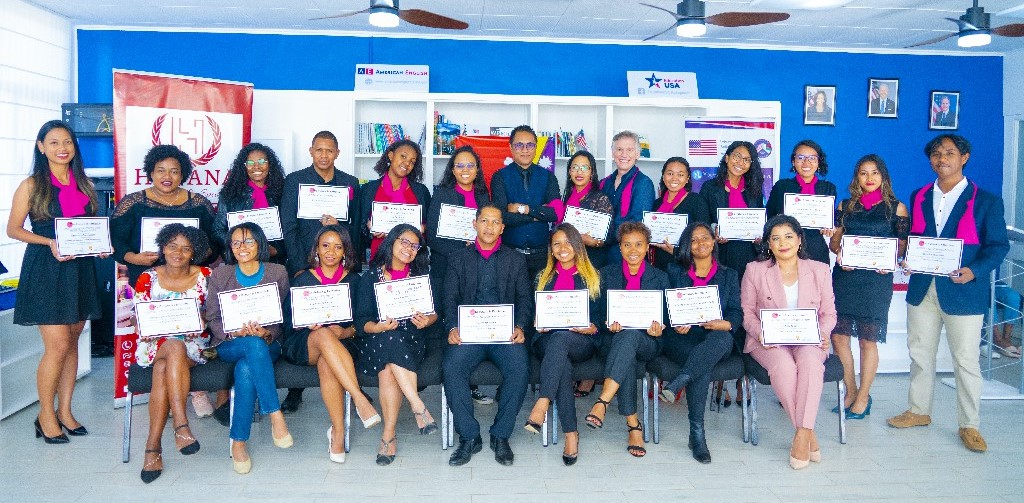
(254,378)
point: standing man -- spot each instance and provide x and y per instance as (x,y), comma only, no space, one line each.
(631,192)
(486,273)
(952,207)
(521,190)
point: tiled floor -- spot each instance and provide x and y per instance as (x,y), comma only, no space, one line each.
(878,463)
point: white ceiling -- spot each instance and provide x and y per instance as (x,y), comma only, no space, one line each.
(859,25)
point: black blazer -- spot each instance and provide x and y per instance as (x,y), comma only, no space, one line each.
(369,191)
(462,278)
(446,195)
(613,279)
(299,234)
(814,241)
(596,305)
(728,282)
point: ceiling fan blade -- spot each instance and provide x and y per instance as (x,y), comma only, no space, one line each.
(430,20)
(932,41)
(1010,30)
(660,33)
(350,14)
(735,19)
(661,9)
(961,24)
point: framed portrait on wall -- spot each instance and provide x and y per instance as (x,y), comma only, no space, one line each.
(819,105)
(883,98)
(944,111)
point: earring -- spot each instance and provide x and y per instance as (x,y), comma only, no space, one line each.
(316,257)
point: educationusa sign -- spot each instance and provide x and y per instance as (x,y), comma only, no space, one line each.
(399,78)
(651,83)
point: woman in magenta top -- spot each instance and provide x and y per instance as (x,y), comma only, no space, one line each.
(401,170)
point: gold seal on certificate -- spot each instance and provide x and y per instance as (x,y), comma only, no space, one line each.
(693,306)
(559,309)
(665,226)
(168,317)
(636,308)
(315,201)
(743,224)
(261,304)
(385,216)
(593,223)
(83,236)
(268,219)
(813,212)
(789,326)
(151,227)
(401,299)
(489,324)
(936,256)
(321,304)
(456,222)
(873,253)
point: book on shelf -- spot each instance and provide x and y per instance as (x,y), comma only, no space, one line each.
(645,147)
(567,143)
(374,138)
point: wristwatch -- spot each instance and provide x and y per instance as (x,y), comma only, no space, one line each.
(523,209)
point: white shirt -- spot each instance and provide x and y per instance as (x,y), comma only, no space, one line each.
(942,203)
(792,294)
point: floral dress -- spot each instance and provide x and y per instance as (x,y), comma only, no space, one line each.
(147,288)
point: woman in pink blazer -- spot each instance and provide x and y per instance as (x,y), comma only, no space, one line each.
(784,278)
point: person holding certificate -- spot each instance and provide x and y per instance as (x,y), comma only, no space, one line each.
(784,278)
(630,191)
(675,197)
(166,168)
(255,182)
(581,173)
(956,208)
(392,348)
(172,356)
(486,273)
(568,268)
(401,170)
(737,184)
(625,349)
(698,348)
(862,295)
(57,293)
(330,346)
(253,348)
(808,161)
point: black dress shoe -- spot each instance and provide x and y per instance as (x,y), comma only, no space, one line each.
(223,414)
(502,451)
(698,442)
(292,401)
(466,450)
(74,432)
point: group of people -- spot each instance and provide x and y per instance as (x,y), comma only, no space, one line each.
(522,246)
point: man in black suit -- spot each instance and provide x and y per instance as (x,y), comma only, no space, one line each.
(945,118)
(882,105)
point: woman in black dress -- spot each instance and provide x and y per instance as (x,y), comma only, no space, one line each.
(808,160)
(255,182)
(56,293)
(862,296)
(675,197)
(737,184)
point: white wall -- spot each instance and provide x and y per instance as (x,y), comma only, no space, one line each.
(35,78)
(1013,133)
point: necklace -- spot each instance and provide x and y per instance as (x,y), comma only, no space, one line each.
(164,201)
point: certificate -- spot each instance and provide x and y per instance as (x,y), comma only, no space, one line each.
(814,212)
(665,226)
(490,324)
(83,236)
(151,227)
(321,304)
(562,309)
(590,222)
(456,222)
(635,308)
(168,317)
(873,253)
(401,299)
(385,216)
(269,220)
(790,326)
(744,224)
(693,306)
(935,256)
(315,201)
(261,304)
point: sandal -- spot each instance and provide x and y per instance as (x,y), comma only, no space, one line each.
(637,451)
(579,393)
(190,448)
(427,428)
(593,421)
(383,458)
(151,475)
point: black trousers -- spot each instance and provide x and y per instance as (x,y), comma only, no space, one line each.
(698,352)
(459,362)
(557,352)
(625,351)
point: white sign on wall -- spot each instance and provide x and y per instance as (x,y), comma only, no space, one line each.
(652,83)
(404,78)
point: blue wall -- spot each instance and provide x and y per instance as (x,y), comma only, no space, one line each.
(327,63)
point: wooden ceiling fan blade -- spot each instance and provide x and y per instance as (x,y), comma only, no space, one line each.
(350,14)
(736,19)
(1010,30)
(932,41)
(660,33)
(672,13)
(428,19)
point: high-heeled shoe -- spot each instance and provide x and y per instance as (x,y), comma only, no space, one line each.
(370,422)
(861,415)
(148,476)
(798,464)
(190,448)
(815,456)
(427,428)
(74,432)
(337,458)
(384,459)
(592,420)
(570,459)
(59,439)
(241,467)
(532,427)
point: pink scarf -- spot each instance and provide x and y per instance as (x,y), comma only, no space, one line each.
(332,280)
(72,201)
(627,194)
(736,193)
(633,282)
(388,194)
(807,187)
(966,229)
(486,254)
(400,273)
(468,195)
(870,199)
(574,200)
(668,205)
(259,196)
(564,280)
(703,282)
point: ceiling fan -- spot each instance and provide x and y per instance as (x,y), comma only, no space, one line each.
(974,29)
(386,13)
(691,21)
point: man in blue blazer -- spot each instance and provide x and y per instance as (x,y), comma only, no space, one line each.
(630,191)
(952,207)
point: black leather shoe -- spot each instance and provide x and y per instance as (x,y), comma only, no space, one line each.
(698,442)
(292,401)
(466,450)
(223,414)
(502,451)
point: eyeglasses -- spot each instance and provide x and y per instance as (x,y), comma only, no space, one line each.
(738,157)
(409,244)
(247,242)
(465,165)
(524,146)
(582,168)
(802,158)
(252,164)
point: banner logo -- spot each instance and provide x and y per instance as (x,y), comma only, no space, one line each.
(210,152)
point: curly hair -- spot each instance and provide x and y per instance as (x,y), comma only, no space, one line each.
(662,188)
(595,181)
(684,252)
(631,227)
(765,252)
(753,180)
(383,164)
(197,238)
(262,246)
(448,180)
(42,189)
(236,182)
(161,152)
(348,260)
(822,163)
(384,255)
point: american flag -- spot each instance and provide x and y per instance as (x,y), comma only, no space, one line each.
(702,147)
(580,140)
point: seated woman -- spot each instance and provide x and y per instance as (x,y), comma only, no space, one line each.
(172,356)
(627,348)
(784,277)
(330,347)
(698,348)
(568,268)
(253,348)
(393,349)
